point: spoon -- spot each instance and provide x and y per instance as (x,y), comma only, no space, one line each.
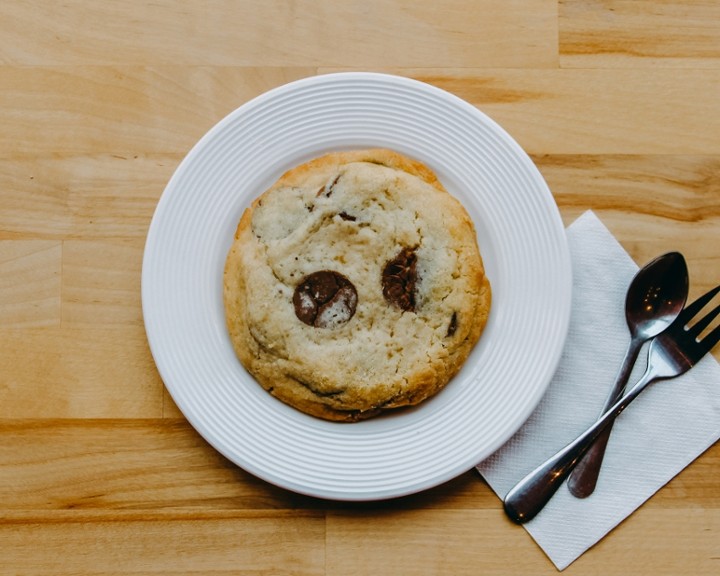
(655,297)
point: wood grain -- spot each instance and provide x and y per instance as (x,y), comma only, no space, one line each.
(651,203)
(457,542)
(595,111)
(632,34)
(101,196)
(136,464)
(157,464)
(617,103)
(84,372)
(163,464)
(30,276)
(140,543)
(101,283)
(125,111)
(165,110)
(282,33)
(428,542)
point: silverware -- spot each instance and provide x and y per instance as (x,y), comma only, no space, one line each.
(654,299)
(671,354)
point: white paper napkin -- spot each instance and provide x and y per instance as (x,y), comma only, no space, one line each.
(669,425)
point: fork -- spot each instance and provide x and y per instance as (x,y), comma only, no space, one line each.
(671,354)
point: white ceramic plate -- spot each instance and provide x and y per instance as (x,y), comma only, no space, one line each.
(521,237)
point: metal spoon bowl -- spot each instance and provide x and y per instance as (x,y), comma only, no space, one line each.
(654,299)
(656,295)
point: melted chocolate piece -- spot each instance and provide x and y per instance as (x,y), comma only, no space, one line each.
(325,299)
(399,278)
(452,328)
(328,188)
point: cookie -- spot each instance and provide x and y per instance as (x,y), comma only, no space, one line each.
(355,285)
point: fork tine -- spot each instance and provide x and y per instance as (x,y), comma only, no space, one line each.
(711,339)
(689,312)
(703,323)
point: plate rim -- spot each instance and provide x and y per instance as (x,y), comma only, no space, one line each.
(258,102)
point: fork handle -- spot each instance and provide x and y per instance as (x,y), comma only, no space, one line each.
(529,496)
(583,478)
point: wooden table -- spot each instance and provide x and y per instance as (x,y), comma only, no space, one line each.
(617,102)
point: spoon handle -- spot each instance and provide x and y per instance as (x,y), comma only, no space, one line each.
(583,478)
(529,496)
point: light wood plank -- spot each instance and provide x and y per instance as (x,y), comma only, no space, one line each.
(420,542)
(667,542)
(86,372)
(57,111)
(280,33)
(652,204)
(103,196)
(128,111)
(595,111)
(161,464)
(694,488)
(164,464)
(637,34)
(661,542)
(114,465)
(30,283)
(101,282)
(676,187)
(271,543)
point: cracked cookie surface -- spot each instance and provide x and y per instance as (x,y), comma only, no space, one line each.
(355,285)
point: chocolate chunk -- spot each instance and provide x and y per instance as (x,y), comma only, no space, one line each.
(399,279)
(452,328)
(347,217)
(325,299)
(327,189)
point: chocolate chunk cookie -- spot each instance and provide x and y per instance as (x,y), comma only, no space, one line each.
(355,285)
